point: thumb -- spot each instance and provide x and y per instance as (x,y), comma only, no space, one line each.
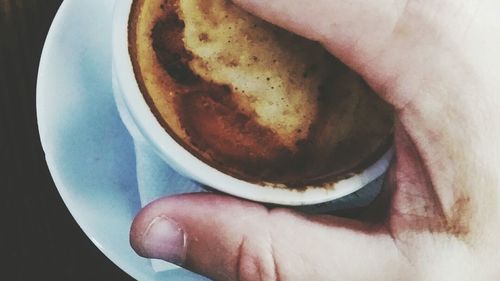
(375,38)
(225,238)
(354,30)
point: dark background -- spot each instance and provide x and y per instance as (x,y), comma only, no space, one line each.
(38,237)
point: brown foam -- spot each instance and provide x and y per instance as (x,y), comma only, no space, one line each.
(344,130)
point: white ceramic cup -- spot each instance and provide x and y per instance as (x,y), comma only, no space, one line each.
(144,126)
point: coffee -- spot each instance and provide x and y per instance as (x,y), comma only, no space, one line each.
(251,99)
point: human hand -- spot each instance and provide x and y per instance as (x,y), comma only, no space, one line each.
(437,63)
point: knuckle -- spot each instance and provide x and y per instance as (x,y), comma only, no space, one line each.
(256,261)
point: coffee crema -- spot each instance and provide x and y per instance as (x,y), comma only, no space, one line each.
(251,99)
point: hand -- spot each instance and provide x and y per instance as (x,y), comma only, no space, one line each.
(437,62)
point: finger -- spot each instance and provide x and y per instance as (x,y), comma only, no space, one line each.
(344,27)
(229,239)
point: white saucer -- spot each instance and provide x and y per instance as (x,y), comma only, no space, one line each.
(89,152)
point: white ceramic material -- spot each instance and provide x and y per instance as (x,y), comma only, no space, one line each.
(184,162)
(88,150)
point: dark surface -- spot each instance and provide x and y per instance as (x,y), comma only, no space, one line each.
(39,240)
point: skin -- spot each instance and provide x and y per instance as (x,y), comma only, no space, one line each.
(437,63)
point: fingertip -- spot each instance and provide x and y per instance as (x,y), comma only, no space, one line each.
(162,239)
(201,232)
(188,211)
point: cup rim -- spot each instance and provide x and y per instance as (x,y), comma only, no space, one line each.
(189,165)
